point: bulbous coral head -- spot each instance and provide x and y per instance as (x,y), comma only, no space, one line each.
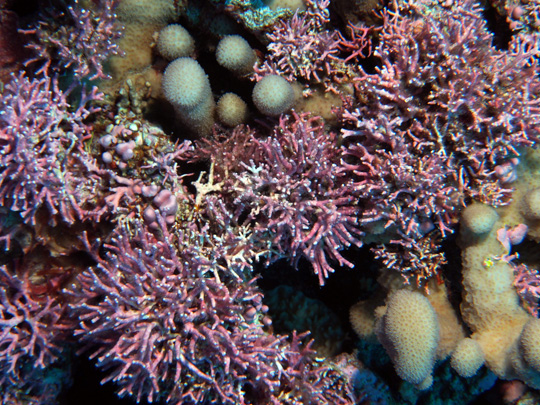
(231,110)
(531,205)
(409,331)
(478,219)
(467,358)
(187,88)
(174,41)
(530,346)
(273,95)
(234,53)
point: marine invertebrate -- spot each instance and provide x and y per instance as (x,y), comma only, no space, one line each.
(30,325)
(293,5)
(139,315)
(473,119)
(231,110)
(467,357)
(254,16)
(530,345)
(168,308)
(531,204)
(187,87)
(358,10)
(409,331)
(403,191)
(291,190)
(478,219)
(33,331)
(420,142)
(418,259)
(491,307)
(301,47)
(527,283)
(174,41)
(146,11)
(273,95)
(235,54)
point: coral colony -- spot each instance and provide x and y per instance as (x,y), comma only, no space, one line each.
(187,188)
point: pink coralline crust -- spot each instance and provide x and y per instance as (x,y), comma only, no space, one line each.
(42,157)
(402,190)
(418,260)
(164,325)
(307,382)
(298,196)
(358,45)
(442,89)
(305,47)
(527,283)
(86,38)
(151,318)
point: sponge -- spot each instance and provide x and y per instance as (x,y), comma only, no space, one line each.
(409,331)
(187,88)
(273,95)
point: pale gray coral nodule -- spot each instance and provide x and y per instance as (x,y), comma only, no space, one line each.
(174,42)
(273,95)
(187,88)
(234,53)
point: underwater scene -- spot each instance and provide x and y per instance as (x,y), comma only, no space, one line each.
(257,202)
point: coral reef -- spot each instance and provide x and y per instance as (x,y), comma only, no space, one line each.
(199,251)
